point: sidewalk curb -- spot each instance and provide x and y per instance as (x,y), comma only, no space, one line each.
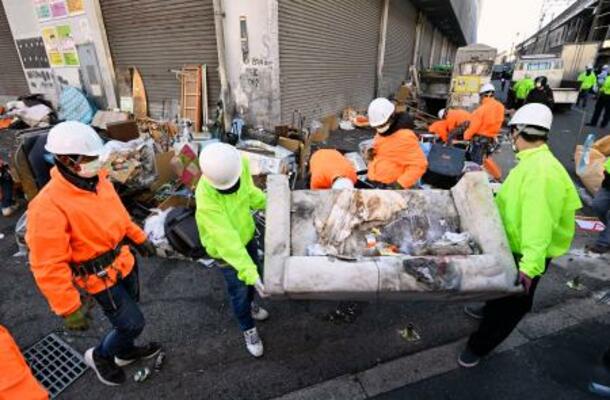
(415,367)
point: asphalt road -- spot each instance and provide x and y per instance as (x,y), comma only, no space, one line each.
(187,311)
(557,367)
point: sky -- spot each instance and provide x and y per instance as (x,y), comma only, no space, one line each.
(500,20)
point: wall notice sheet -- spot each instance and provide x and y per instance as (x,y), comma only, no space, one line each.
(60,46)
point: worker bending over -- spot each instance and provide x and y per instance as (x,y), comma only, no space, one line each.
(450,121)
(485,124)
(225,198)
(16,379)
(330,169)
(522,88)
(77,234)
(395,159)
(537,205)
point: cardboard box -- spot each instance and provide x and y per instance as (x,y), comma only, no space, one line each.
(404,94)
(177,201)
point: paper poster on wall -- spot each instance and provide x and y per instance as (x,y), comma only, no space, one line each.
(33,53)
(75,7)
(59,9)
(67,45)
(43,10)
(56,59)
(50,38)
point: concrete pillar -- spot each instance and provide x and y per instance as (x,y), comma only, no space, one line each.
(251,43)
(383,32)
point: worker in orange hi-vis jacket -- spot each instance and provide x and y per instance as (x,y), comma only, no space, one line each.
(396,158)
(330,169)
(449,120)
(488,118)
(16,379)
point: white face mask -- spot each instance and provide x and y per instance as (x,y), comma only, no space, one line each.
(90,169)
(383,129)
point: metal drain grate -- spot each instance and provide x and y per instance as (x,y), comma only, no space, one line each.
(54,363)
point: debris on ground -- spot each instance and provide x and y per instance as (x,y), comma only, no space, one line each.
(409,334)
(450,244)
(602,297)
(141,375)
(575,284)
(345,313)
(159,361)
(432,273)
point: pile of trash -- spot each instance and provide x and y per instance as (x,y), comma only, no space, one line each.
(131,163)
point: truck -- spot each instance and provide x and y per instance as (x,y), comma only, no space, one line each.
(561,69)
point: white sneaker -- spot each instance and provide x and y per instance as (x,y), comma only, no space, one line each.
(258,313)
(8,211)
(253,342)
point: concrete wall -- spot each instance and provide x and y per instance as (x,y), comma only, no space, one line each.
(467,13)
(253,66)
(87,29)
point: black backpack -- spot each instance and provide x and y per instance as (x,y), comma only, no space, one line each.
(182,233)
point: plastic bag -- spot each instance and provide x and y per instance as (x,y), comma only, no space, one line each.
(20,229)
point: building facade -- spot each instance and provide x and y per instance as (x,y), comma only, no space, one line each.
(267,59)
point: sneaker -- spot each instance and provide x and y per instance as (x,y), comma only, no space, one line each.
(8,211)
(147,351)
(258,313)
(253,342)
(107,371)
(468,359)
(598,248)
(475,312)
(599,389)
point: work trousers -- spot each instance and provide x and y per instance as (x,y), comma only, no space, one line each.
(500,317)
(601,206)
(240,294)
(120,305)
(602,104)
(6,183)
(583,96)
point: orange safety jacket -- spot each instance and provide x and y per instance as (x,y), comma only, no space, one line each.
(486,120)
(397,158)
(69,225)
(16,379)
(453,119)
(326,165)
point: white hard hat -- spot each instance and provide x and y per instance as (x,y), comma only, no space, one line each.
(343,183)
(605,67)
(220,165)
(488,87)
(590,66)
(380,111)
(441,113)
(73,137)
(534,114)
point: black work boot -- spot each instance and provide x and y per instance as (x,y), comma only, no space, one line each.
(107,371)
(147,351)
(475,312)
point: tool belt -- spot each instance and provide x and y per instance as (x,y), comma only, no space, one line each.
(97,266)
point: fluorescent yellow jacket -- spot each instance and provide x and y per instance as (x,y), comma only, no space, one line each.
(587,81)
(523,87)
(226,224)
(605,89)
(607,165)
(538,203)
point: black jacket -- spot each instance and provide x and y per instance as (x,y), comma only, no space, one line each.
(544,96)
(606,182)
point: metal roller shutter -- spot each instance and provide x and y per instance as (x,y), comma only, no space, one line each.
(438,46)
(426,44)
(157,36)
(400,44)
(328,55)
(12,78)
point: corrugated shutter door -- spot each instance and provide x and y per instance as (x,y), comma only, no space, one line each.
(157,36)
(426,44)
(12,78)
(328,55)
(400,43)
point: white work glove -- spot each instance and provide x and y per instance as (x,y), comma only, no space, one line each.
(260,288)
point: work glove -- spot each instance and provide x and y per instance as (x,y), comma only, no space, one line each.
(525,280)
(77,321)
(260,289)
(146,249)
